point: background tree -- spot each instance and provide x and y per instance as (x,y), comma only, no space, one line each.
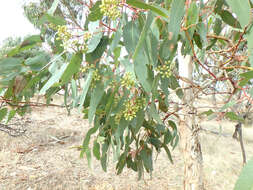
(120,63)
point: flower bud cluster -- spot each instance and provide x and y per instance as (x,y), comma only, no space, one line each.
(165,70)
(68,40)
(127,81)
(132,107)
(96,76)
(110,8)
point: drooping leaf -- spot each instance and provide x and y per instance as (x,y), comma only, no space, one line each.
(54,79)
(72,68)
(85,87)
(11,114)
(3,113)
(86,141)
(96,150)
(95,99)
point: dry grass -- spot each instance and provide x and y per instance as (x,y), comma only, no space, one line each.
(39,161)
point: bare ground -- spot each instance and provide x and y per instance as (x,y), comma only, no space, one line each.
(44,158)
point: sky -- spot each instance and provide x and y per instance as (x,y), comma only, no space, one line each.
(12,20)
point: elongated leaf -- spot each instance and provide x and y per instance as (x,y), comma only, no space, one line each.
(168,152)
(98,52)
(155,9)
(154,114)
(121,163)
(93,43)
(73,67)
(131,36)
(88,157)
(227,105)
(10,63)
(11,114)
(245,180)
(96,150)
(3,113)
(146,156)
(85,87)
(143,35)
(95,99)
(242,10)
(232,116)
(229,19)
(54,79)
(53,7)
(176,15)
(86,140)
(141,71)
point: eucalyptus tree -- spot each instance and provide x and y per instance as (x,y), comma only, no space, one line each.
(121,64)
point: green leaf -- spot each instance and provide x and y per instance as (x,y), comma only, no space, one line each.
(95,13)
(96,150)
(245,180)
(98,52)
(146,156)
(85,87)
(95,99)
(38,62)
(154,114)
(103,159)
(121,163)
(143,35)
(53,7)
(232,116)
(242,10)
(11,114)
(10,63)
(141,72)
(207,113)
(247,75)
(197,40)
(88,157)
(249,36)
(176,16)
(94,41)
(155,9)
(217,26)
(3,113)
(227,105)
(193,14)
(122,126)
(54,79)
(131,35)
(72,68)
(229,19)
(86,140)
(168,152)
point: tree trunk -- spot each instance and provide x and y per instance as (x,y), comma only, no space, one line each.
(189,131)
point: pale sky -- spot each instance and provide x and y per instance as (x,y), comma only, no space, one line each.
(12,20)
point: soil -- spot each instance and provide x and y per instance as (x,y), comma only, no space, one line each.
(45,157)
